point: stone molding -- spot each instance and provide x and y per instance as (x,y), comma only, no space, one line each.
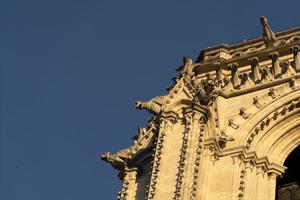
(242,155)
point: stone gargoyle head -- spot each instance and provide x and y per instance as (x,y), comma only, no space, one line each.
(117,161)
(139,105)
(154,106)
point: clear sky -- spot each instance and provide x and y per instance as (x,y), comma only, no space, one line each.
(70,72)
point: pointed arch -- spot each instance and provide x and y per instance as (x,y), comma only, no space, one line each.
(274,131)
(279,141)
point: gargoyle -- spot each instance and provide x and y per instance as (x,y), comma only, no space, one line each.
(154,106)
(118,160)
(123,158)
(207,91)
(268,35)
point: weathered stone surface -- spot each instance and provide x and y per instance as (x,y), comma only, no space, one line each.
(224,129)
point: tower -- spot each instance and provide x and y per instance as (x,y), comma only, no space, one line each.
(228,128)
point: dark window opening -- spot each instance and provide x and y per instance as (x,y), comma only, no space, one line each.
(288,186)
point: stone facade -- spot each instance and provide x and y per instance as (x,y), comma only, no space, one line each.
(224,128)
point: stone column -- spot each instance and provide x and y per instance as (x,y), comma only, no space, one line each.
(260,183)
(194,148)
(235,177)
(183,172)
(129,189)
(250,181)
(295,51)
(167,157)
(272,176)
(163,128)
(265,186)
(205,173)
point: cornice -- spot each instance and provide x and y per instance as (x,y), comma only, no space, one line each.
(246,47)
(280,35)
(263,55)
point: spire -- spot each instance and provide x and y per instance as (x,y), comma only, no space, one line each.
(268,35)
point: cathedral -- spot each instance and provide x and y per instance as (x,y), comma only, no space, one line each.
(227,129)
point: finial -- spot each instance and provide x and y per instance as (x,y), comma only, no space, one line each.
(268,35)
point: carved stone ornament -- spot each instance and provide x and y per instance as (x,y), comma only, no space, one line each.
(154,106)
(118,160)
(268,35)
(224,139)
(207,91)
(233,124)
(254,61)
(256,102)
(244,113)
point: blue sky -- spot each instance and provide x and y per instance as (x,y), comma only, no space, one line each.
(70,72)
